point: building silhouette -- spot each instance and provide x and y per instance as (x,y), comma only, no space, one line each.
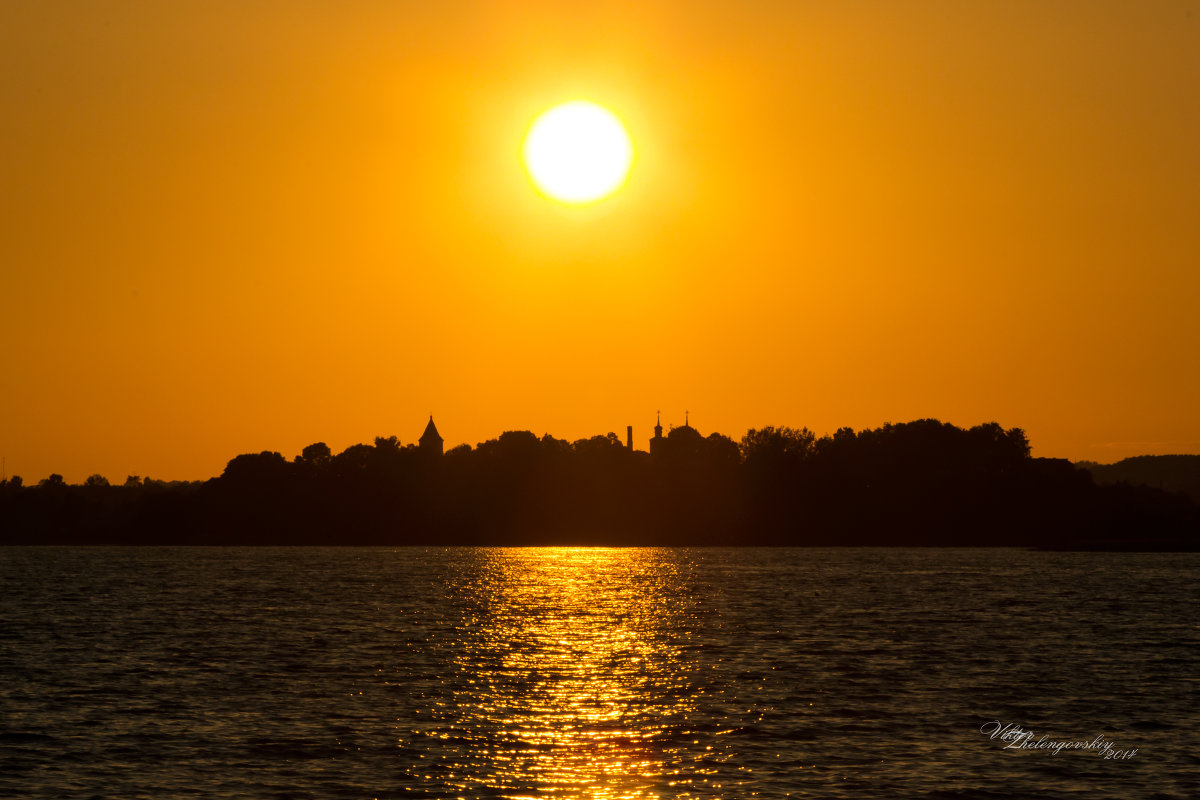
(431,441)
(681,439)
(656,443)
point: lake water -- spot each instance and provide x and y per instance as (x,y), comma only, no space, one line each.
(596,673)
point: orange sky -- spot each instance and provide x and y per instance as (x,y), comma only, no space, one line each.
(228,227)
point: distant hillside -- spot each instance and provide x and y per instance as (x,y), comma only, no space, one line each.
(1171,473)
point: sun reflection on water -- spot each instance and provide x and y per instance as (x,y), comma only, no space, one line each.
(575,676)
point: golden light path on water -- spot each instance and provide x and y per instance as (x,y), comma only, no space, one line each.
(578,674)
(707,674)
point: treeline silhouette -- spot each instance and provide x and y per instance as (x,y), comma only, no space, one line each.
(919,483)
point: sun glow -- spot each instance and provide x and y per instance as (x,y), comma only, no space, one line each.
(578,152)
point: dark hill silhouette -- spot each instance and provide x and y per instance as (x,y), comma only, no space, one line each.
(915,484)
(1175,473)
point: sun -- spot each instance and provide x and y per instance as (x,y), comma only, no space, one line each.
(578,152)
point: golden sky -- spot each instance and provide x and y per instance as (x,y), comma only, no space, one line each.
(234,226)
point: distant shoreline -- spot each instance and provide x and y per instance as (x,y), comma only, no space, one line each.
(1131,549)
(918,484)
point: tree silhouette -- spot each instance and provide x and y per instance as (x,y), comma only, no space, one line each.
(923,482)
(255,468)
(317,455)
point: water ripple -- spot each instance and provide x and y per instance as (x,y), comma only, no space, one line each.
(593,673)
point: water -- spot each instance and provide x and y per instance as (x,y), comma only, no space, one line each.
(593,673)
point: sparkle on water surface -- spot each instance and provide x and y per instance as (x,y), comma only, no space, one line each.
(572,674)
(590,673)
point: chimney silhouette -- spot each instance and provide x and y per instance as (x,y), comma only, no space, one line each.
(629,436)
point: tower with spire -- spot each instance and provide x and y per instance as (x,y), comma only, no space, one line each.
(656,442)
(431,441)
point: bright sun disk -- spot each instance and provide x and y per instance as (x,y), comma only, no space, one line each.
(578,152)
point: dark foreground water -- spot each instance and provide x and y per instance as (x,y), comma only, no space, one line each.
(594,673)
